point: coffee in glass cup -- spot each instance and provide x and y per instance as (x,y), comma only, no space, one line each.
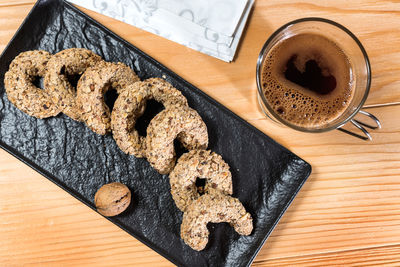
(313,75)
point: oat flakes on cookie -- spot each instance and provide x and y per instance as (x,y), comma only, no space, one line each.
(18,82)
(93,85)
(198,164)
(131,104)
(72,61)
(179,122)
(214,207)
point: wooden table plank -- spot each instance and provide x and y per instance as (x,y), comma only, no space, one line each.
(8,3)
(349,208)
(11,18)
(383,256)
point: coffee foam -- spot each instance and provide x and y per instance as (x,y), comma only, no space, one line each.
(296,104)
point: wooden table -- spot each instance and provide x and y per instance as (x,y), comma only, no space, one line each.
(348,212)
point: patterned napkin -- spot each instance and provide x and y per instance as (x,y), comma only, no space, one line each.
(213,27)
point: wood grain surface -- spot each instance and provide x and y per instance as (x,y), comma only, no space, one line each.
(348,212)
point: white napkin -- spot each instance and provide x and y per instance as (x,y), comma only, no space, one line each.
(213,27)
(218,15)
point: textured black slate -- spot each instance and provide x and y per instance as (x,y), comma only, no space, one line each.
(266,176)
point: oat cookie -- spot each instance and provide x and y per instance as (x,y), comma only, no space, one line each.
(198,164)
(20,89)
(214,207)
(176,121)
(130,105)
(73,61)
(92,86)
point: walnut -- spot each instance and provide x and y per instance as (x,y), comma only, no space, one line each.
(112,199)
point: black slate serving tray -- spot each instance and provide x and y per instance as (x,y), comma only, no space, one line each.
(266,176)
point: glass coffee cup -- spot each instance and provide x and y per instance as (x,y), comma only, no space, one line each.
(285,78)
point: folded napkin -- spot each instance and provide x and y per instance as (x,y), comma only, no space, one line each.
(219,16)
(213,27)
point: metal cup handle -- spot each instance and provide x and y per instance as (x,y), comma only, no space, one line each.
(361,126)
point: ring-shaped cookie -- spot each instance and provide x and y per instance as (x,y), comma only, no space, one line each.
(179,122)
(130,105)
(72,61)
(18,82)
(214,207)
(93,85)
(198,164)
